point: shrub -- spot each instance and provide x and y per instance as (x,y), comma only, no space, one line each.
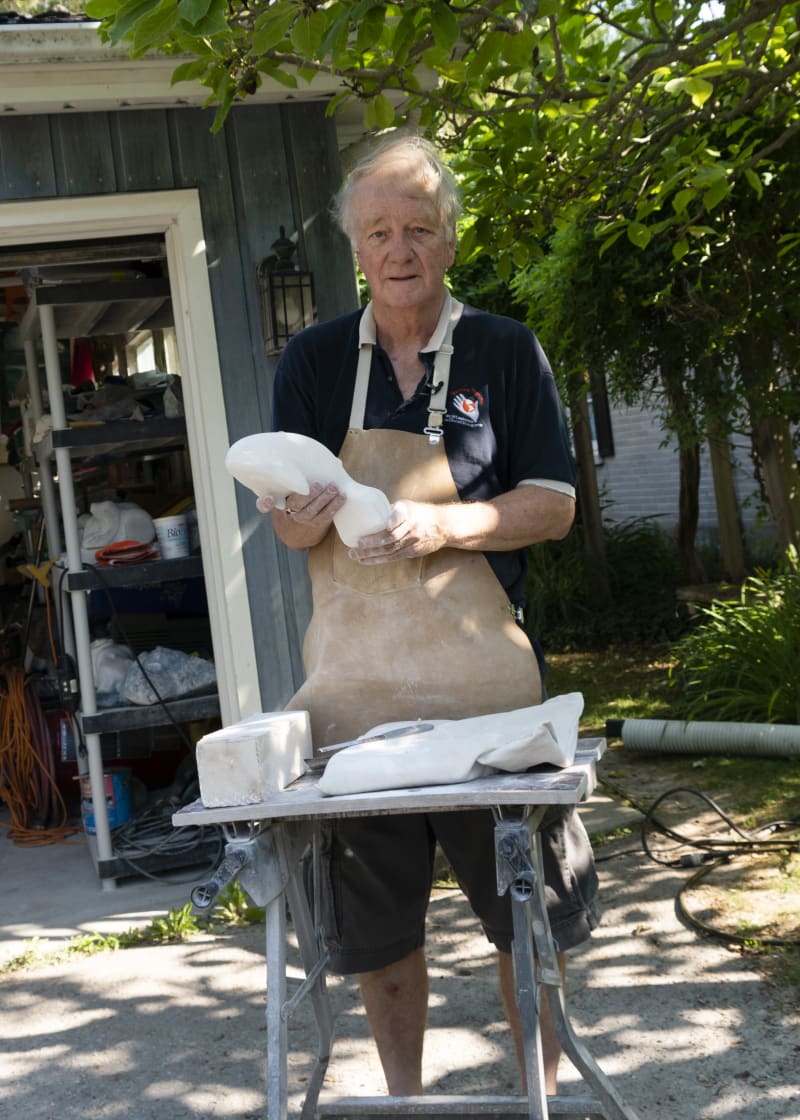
(643,574)
(742,660)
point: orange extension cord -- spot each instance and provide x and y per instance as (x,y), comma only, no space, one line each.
(27,780)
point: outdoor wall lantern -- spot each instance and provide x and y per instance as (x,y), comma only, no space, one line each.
(287,295)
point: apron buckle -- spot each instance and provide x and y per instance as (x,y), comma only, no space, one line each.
(434,435)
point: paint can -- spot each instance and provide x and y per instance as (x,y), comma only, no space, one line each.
(119,799)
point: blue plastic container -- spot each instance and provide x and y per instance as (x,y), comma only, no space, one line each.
(119,799)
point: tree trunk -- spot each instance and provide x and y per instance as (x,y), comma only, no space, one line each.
(688,514)
(685,428)
(728,520)
(594,546)
(772,439)
(730,534)
(772,442)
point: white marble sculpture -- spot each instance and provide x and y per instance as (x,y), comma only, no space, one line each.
(281,463)
(458,750)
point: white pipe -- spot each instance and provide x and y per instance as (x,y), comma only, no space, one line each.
(80,612)
(764,740)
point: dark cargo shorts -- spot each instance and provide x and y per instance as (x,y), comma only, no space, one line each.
(376,875)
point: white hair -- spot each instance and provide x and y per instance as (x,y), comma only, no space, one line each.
(422,162)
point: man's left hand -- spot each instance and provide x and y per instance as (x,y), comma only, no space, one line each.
(413,529)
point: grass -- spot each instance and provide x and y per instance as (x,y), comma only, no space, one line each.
(616,684)
(233,910)
(634,683)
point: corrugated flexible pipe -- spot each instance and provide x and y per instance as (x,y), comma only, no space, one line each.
(764,740)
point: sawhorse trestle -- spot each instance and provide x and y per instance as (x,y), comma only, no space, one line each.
(270,849)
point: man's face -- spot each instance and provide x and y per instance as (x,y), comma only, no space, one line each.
(401,246)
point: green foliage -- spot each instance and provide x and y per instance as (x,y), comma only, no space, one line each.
(86,945)
(178,924)
(31,955)
(234,908)
(740,663)
(624,681)
(478,284)
(651,117)
(642,570)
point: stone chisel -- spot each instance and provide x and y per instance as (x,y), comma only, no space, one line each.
(318,761)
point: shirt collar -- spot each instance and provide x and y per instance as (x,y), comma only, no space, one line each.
(367,333)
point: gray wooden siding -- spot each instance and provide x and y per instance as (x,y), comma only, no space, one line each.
(642,479)
(270,166)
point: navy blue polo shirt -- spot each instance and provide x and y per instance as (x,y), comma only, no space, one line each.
(504,422)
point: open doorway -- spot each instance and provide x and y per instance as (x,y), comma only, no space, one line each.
(74,256)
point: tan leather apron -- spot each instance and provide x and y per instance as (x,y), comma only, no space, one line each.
(426,638)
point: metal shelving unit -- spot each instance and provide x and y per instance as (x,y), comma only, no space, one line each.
(76,311)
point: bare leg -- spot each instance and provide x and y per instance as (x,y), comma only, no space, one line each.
(551,1047)
(396,1001)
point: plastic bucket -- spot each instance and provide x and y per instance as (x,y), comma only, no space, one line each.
(119,799)
(173,536)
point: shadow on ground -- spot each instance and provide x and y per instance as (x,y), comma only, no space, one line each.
(686,1028)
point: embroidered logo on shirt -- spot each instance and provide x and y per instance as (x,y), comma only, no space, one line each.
(466,407)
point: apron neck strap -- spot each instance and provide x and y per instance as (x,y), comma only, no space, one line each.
(439,381)
(441,377)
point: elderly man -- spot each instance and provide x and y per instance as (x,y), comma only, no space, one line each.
(454,414)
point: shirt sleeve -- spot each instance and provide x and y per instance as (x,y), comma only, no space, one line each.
(537,440)
(293,408)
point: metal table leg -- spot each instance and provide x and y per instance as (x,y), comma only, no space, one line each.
(519,870)
(268,863)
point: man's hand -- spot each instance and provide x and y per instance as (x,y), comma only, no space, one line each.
(512,520)
(305,518)
(413,529)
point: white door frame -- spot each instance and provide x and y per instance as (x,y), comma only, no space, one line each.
(176,214)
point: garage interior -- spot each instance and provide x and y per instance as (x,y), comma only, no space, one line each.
(122,443)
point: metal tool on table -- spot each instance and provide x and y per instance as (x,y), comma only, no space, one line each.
(319,761)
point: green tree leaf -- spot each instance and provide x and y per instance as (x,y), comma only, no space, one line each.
(127,18)
(153,28)
(638,235)
(754,181)
(682,199)
(379,112)
(698,89)
(444,25)
(100,9)
(272,27)
(193,10)
(715,194)
(371,27)
(680,249)
(308,32)
(404,36)
(189,71)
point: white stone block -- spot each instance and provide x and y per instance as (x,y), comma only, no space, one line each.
(247,762)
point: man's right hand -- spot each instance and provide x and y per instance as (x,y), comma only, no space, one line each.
(305,518)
